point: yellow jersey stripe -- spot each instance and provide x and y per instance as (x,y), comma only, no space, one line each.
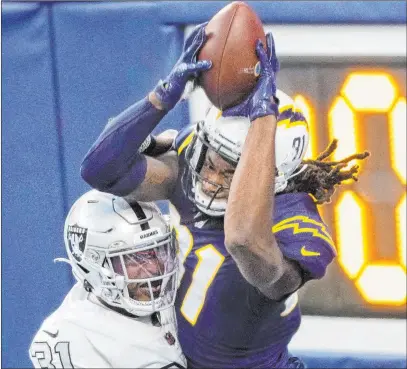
(313,197)
(185,143)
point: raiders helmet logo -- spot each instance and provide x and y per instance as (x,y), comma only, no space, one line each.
(77,240)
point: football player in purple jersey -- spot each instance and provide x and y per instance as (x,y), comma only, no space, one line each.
(249,229)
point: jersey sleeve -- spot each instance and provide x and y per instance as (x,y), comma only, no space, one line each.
(302,235)
(64,346)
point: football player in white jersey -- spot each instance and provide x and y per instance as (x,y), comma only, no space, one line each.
(120,312)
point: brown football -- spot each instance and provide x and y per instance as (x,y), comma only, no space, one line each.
(231,39)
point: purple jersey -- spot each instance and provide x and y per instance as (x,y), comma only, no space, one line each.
(223,321)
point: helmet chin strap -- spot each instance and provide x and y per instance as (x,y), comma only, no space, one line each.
(118,309)
(118,279)
(298,172)
(280,183)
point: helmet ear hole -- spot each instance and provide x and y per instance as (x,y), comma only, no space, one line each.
(87,286)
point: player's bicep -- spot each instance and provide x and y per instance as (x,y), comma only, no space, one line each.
(160,178)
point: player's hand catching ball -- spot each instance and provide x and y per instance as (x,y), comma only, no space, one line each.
(262,100)
(170,90)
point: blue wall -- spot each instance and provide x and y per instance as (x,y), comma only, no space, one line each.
(67,68)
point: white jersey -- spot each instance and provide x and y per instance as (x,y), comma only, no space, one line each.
(83,333)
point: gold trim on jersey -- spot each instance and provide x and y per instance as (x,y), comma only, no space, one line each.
(313,197)
(185,143)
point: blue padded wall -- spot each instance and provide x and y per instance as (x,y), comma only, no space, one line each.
(292,12)
(32,201)
(108,57)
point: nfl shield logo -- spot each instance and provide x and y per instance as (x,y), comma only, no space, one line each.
(77,240)
(170,338)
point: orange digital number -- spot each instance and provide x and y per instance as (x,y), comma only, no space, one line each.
(370,92)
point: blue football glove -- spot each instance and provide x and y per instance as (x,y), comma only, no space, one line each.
(262,100)
(170,90)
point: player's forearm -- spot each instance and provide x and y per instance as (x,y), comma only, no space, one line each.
(258,269)
(249,214)
(117,148)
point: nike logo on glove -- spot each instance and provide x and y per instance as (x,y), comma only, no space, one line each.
(305,252)
(53,335)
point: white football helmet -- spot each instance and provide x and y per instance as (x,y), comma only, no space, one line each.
(226,136)
(123,252)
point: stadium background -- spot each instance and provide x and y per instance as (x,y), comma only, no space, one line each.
(68,67)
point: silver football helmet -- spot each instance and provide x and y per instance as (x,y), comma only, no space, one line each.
(226,136)
(123,252)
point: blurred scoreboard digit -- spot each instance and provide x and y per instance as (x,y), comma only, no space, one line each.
(364,107)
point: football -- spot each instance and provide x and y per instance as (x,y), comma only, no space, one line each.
(231,40)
